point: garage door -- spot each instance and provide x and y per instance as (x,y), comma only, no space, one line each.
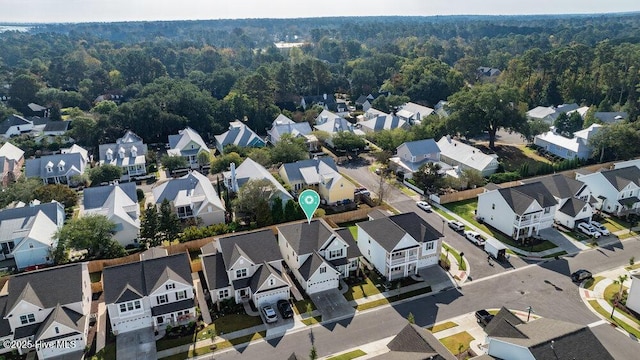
(271,297)
(323,285)
(133,324)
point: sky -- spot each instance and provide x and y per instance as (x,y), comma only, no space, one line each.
(55,11)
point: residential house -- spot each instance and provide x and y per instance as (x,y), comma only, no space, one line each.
(413,154)
(544,338)
(413,113)
(153,292)
(611,117)
(15,125)
(251,170)
(34,109)
(466,157)
(45,127)
(326,101)
(188,144)
(128,153)
(576,147)
(616,191)
(333,124)
(383,122)
(119,203)
(318,255)
(320,174)
(192,196)
(488,72)
(624,164)
(59,168)
(415,343)
(11,161)
(549,114)
(246,266)
(399,246)
(239,134)
(27,232)
(365,102)
(572,196)
(283,125)
(519,211)
(441,109)
(633,299)
(50,307)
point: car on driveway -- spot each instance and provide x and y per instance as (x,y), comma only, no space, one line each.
(456,225)
(474,237)
(588,230)
(269,314)
(483,317)
(581,275)
(285,309)
(424,205)
(601,229)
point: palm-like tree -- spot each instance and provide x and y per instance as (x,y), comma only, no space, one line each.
(619,281)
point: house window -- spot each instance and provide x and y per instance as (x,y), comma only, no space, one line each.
(223,294)
(493,206)
(335,254)
(323,269)
(185,211)
(547,210)
(430,245)
(162,299)
(241,273)
(160,319)
(27,319)
(170,286)
(130,306)
(272,282)
(49,168)
(57,330)
(181,295)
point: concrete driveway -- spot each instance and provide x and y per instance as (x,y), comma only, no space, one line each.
(332,304)
(567,244)
(279,327)
(138,344)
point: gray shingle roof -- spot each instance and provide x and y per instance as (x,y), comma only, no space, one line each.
(50,209)
(305,237)
(420,147)
(13,120)
(172,307)
(572,206)
(261,276)
(55,126)
(311,265)
(259,246)
(352,251)
(293,169)
(5,328)
(388,231)
(95,197)
(503,324)
(520,197)
(413,339)
(63,316)
(38,167)
(239,134)
(611,117)
(559,185)
(214,271)
(620,178)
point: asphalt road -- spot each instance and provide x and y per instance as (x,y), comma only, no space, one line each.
(360,173)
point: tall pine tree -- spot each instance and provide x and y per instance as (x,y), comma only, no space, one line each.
(149,226)
(169,223)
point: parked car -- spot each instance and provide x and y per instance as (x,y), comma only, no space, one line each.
(361,191)
(456,225)
(483,317)
(588,229)
(474,237)
(285,309)
(601,229)
(581,275)
(269,314)
(424,205)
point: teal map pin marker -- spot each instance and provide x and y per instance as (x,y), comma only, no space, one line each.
(309,201)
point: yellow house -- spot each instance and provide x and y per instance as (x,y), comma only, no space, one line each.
(321,175)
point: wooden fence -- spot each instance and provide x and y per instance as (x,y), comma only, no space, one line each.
(349,215)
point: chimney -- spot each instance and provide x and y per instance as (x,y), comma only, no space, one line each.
(324,96)
(234,181)
(449,138)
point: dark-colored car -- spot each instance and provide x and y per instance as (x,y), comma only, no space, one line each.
(581,275)
(285,309)
(483,317)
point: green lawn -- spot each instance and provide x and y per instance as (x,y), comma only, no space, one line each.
(232,322)
(354,232)
(300,307)
(462,265)
(364,290)
(443,213)
(376,303)
(457,343)
(348,356)
(633,267)
(442,326)
(220,345)
(312,320)
(591,283)
(108,353)
(631,330)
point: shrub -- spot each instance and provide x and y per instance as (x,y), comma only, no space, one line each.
(499,178)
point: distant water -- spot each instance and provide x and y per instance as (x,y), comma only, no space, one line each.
(4,28)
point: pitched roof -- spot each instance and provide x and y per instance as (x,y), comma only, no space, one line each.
(261,275)
(214,271)
(251,170)
(129,137)
(622,177)
(96,197)
(415,342)
(520,197)
(144,277)
(420,147)
(71,159)
(503,324)
(464,154)
(51,209)
(388,231)
(113,201)
(572,207)
(13,120)
(259,246)
(352,251)
(183,138)
(311,265)
(283,125)
(304,237)
(611,117)
(296,171)
(44,288)
(413,110)
(5,327)
(11,152)
(128,144)
(239,134)
(56,126)
(383,122)
(187,190)
(63,316)
(332,123)
(560,186)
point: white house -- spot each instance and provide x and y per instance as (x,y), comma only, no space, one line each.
(320,174)
(413,154)
(128,153)
(119,203)
(192,196)
(413,113)
(333,124)
(27,233)
(152,292)
(318,255)
(11,161)
(283,125)
(616,191)
(399,245)
(466,157)
(59,168)
(549,114)
(519,211)
(239,134)
(188,143)
(576,147)
(15,125)
(251,170)
(49,306)
(633,300)
(245,267)
(382,122)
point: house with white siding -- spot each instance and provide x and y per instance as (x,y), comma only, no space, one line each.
(251,170)
(239,134)
(413,154)
(616,191)
(188,144)
(119,203)
(413,113)
(283,125)
(466,157)
(633,300)
(59,168)
(568,148)
(128,153)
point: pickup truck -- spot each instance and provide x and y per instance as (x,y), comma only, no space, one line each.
(483,317)
(474,237)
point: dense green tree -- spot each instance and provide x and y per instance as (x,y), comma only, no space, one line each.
(291,211)
(533,128)
(566,125)
(58,192)
(104,173)
(174,162)
(168,222)
(85,131)
(289,149)
(93,233)
(150,226)
(262,156)
(389,140)
(23,91)
(277,210)
(429,177)
(614,142)
(21,190)
(222,162)
(348,141)
(249,198)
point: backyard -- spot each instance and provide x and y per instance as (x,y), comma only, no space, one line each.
(513,157)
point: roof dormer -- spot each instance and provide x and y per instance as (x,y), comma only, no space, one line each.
(61,165)
(121,153)
(109,154)
(134,151)
(49,166)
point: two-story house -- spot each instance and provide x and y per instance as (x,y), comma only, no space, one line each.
(326,101)
(154,292)
(119,203)
(11,161)
(192,196)
(127,153)
(60,168)
(399,246)
(50,307)
(251,170)
(27,232)
(382,122)
(413,113)
(318,255)
(568,148)
(283,125)
(15,125)
(188,144)
(413,154)
(466,157)
(616,191)
(320,174)
(519,211)
(332,124)
(246,267)
(239,134)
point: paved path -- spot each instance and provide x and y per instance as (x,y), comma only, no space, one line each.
(101,325)
(202,303)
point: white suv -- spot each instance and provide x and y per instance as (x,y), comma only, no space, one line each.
(589,230)
(601,229)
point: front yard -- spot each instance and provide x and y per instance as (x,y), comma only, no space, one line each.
(457,343)
(365,288)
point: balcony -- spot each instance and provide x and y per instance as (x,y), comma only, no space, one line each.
(526,221)
(395,260)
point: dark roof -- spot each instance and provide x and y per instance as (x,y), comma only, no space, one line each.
(214,271)
(13,120)
(413,339)
(572,206)
(172,307)
(293,169)
(56,126)
(377,214)
(144,277)
(95,197)
(5,328)
(312,264)
(44,288)
(420,147)
(559,185)
(26,331)
(620,178)
(304,237)
(520,197)
(261,275)
(611,117)
(50,209)
(64,316)
(258,246)
(353,250)
(629,201)
(329,102)
(503,324)
(38,167)
(390,230)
